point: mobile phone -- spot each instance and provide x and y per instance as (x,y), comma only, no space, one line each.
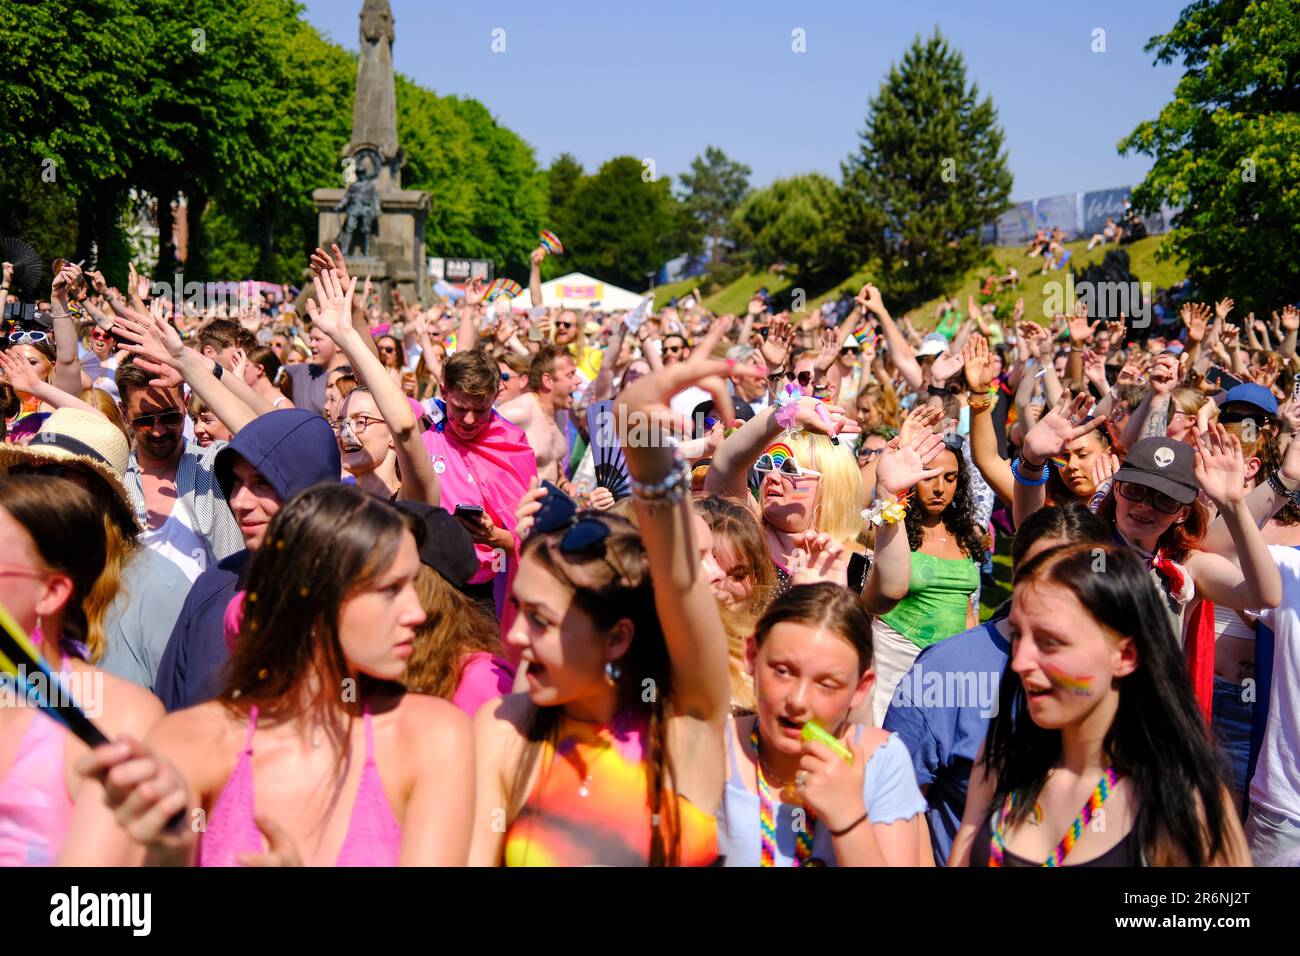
(474,512)
(1224,380)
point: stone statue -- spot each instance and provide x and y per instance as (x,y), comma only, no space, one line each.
(360,204)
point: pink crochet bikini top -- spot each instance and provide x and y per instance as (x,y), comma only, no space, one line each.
(35,809)
(374,837)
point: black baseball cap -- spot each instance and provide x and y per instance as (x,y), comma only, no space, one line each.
(447,546)
(1163,464)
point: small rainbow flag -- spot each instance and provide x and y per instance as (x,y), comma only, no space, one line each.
(779,452)
(551,243)
(1059,461)
(861,332)
(503,287)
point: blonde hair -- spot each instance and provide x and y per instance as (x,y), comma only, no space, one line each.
(1189,400)
(838,511)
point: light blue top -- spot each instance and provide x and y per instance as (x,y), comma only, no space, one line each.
(889,791)
(139,622)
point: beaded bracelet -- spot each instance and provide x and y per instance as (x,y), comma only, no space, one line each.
(671,489)
(1015,473)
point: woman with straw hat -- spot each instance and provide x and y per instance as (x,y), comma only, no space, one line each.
(135,602)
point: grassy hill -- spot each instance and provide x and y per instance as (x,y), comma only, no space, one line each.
(733,297)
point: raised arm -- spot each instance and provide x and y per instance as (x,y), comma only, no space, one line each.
(321,262)
(25,381)
(688,612)
(419,482)
(535,276)
(900,353)
(900,468)
(1048,438)
(67,368)
(983,438)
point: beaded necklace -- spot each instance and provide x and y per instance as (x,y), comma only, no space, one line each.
(997,845)
(767,819)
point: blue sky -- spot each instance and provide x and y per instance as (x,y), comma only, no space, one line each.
(663,81)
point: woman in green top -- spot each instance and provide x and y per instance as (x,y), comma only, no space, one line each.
(947,549)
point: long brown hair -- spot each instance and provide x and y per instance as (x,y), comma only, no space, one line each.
(454,629)
(607,597)
(67,527)
(326,545)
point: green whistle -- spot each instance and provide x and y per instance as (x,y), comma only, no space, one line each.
(815,731)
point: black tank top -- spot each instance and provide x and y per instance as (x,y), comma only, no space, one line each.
(1127,852)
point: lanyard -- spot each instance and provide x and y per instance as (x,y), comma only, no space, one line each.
(997,845)
(767,819)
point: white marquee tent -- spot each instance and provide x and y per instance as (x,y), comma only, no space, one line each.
(580,291)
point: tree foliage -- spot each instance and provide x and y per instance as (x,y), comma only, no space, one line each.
(797,221)
(929,173)
(714,187)
(1227,149)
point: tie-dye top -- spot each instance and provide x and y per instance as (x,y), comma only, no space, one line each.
(610,824)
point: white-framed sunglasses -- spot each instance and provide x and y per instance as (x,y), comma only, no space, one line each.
(789,467)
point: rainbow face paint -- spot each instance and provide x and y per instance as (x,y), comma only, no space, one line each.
(1060,462)
(1080,686)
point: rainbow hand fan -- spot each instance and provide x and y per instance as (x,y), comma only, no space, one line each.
(20,659)
(503,287)
(551,243)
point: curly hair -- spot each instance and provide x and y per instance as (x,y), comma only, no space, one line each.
(958,517)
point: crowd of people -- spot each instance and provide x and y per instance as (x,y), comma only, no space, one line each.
(491,583)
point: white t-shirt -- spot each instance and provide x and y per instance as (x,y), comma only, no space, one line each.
(178,542)
(684,402)
(1276,784)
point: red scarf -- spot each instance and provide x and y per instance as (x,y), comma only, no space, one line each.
(1198,631)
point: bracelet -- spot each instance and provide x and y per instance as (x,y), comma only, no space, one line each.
(1015,473)
(887,509)
(671,488)
(852,826)
(976,405)
(1278,484)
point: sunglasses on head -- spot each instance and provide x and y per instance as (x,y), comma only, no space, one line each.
(789,467)
(168,420)
(28,337)
(1141,493)
(586,531)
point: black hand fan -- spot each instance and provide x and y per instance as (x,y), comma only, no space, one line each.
(28,268)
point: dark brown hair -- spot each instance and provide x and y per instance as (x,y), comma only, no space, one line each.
(68,527)
(607,598)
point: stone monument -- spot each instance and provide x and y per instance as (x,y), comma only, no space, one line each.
(378,224)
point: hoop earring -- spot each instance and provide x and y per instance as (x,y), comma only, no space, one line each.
(612,673)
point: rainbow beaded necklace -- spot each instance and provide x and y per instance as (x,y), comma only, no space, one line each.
(997,845)
(767,818)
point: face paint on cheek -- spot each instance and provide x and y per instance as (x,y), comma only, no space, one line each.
(1081,686)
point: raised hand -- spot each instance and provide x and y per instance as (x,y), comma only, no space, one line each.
(1080,329)
(1288,416)
(1104,467)
(976,359)
(756,305)
(818,558)
(901,465)
(1220,468)
(1062,425)
(921,420)
(19,373)
(333,316)
(1222,308)
(1290,320)
(945,366)
(1195,317)
(1266,374)
(870,300)
(829,350)
(1164,374)
(780,339)
(7,278)
(475,290)
(151,338)
(1094,369)
(65,281)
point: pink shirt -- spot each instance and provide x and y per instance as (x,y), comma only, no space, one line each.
(485,677)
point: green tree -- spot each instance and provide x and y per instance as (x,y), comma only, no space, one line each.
(929,173)
(620,224)
(798,222)
(1227,149)
(715,186)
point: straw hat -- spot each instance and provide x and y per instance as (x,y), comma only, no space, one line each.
(86,438)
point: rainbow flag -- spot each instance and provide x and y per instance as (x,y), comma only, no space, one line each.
(551,243)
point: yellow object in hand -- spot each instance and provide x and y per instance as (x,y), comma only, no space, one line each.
(815,731)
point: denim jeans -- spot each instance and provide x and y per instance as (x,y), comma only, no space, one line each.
(1232,719)
(1274,840)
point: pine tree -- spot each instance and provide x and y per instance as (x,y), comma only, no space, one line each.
(714,188)
(929,174)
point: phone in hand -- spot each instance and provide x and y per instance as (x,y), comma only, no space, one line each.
(469,512)
(1224,380)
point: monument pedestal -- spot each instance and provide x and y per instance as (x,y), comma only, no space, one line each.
(397,258)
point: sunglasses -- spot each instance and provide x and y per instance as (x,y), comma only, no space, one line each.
(672,348)
(390,349)
(586,532)
(1236,418)
(869,454)
(1141,493)
(803,378)
(167,419)
(564,325)
(505,377)
(846,351)
(29,337)
(99,336)
(789,467)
